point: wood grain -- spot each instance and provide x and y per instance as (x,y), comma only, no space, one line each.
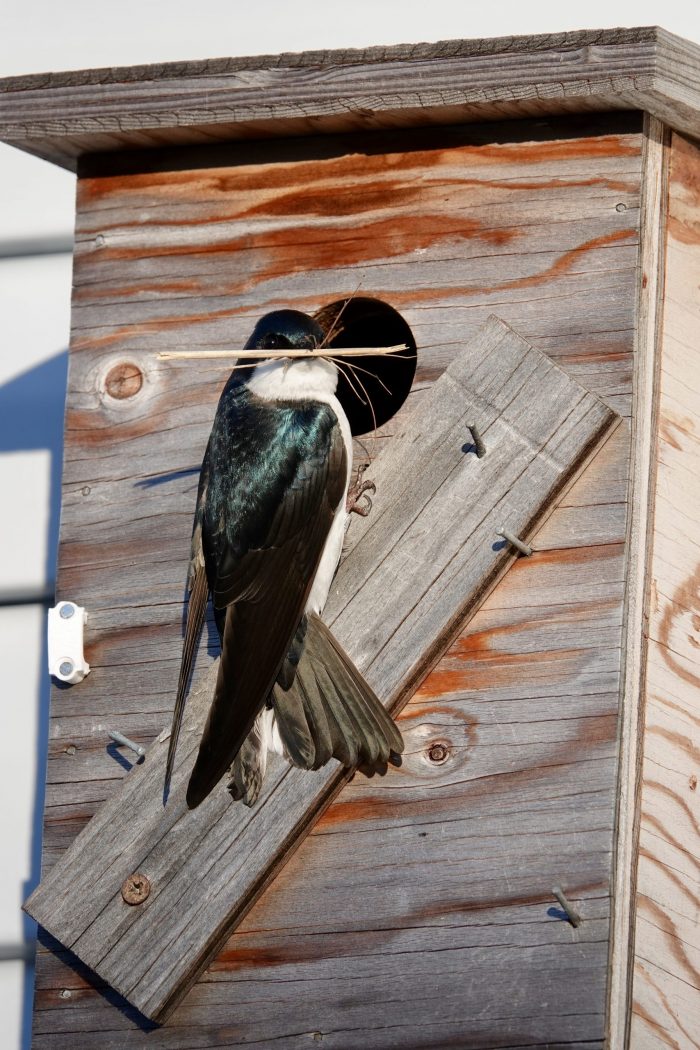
(437,509)
(666,990)
(62,116)
(644,427)
(540,660)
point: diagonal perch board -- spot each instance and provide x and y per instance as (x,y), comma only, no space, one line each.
(422,563)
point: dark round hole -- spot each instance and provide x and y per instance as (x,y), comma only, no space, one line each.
(381,383)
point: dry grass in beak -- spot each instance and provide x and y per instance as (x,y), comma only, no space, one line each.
(241,355)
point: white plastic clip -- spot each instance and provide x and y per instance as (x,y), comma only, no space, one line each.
(66,659)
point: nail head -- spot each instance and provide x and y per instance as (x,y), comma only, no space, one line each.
(438,752)
(136,889)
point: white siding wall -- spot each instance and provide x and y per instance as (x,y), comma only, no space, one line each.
(36,214)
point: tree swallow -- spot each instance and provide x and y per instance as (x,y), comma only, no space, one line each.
(267,538)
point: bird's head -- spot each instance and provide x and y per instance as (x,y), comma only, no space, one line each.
(305,373)
(285,330)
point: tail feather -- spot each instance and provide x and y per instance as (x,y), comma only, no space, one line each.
(330,710)
(347,745)
(293,726)
(376,747)
(385,726)
(248,768)
(322,737)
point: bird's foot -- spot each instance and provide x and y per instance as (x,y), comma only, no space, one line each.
(357,501)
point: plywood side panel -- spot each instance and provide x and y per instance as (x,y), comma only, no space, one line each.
(526,699)
(666,990)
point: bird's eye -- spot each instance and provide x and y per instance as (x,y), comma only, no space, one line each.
(274,341)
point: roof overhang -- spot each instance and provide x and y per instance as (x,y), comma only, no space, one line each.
(62,116)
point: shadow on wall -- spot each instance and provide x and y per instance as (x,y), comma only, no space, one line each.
(31,418)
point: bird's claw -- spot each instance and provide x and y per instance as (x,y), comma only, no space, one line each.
(355,507)
(358,492)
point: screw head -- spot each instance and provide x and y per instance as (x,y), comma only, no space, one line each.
(67,611)
(66,668)
(136,888)
(438,752)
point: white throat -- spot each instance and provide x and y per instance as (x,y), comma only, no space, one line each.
(301,379)
(294,379)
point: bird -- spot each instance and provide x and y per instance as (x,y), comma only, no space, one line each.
(269,525)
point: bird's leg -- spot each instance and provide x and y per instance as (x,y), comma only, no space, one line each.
(358,491)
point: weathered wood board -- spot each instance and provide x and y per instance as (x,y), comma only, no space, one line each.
(535,677)
(666,985)
(425,559)
(61,116)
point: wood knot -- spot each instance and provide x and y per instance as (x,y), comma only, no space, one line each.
(438,752)
(124,380)
(136,889)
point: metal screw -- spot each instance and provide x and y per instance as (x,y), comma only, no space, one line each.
(438,753)
(66,668)
(524,548)
(479,445)
(67,611)
(99,240)
(124,741)
(65,993)
(136,889)
(571,913)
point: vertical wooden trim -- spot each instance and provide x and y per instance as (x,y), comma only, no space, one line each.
(666,988)
(640,524)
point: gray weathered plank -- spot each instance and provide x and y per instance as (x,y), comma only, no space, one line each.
(208,866)
(62,116)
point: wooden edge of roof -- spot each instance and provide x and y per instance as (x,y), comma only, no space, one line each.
(63,116)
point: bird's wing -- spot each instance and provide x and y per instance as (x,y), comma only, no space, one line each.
(264,531)
(196,612)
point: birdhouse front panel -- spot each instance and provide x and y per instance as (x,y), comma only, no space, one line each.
(419,910)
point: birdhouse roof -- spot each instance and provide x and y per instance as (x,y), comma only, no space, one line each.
(61,116)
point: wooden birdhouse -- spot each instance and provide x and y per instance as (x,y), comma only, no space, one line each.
(530,207)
